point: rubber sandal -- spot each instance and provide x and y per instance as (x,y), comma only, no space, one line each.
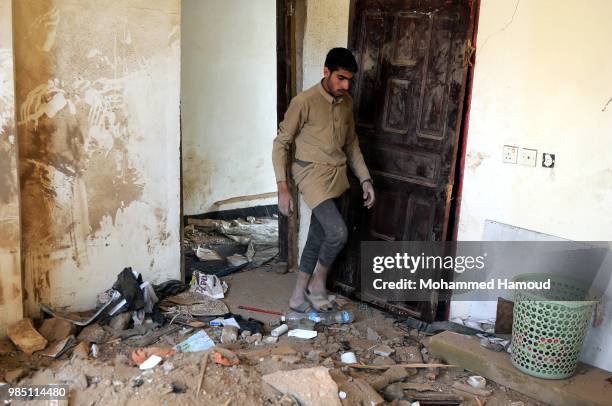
(319,301)
(305,307)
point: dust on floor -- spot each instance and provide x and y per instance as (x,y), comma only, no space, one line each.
(112,378)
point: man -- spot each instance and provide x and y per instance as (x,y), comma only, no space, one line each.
(320,123)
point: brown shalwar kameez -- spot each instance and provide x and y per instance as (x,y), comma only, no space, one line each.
(323,130)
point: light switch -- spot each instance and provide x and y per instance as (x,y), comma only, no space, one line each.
(528,157)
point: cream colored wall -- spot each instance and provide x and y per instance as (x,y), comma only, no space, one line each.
(542,81)
(98,126)
(541,85)
(228,102)
(326,28)
(10,266)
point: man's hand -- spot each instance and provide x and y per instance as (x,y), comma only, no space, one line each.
(285,201)
(368,194)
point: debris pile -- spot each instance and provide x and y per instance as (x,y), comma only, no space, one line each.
(221,247)
(178,342)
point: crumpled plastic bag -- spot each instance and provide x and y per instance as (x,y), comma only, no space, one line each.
(209,285)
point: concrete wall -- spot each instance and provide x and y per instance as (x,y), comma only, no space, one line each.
(541,85)
(326,28)
(10,267)
(98,126)
(228,102)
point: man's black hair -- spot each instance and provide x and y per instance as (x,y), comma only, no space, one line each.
(341,58)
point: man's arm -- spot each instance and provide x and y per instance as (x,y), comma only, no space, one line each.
(358,166)
(287,130)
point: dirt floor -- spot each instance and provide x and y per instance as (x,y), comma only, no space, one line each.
(112,378)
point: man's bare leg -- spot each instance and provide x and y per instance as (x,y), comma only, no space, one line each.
(298,299)
(319,279)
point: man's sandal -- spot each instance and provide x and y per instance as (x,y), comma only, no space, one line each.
(320,301)
(305,307)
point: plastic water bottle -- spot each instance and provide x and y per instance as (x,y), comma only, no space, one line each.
(326,318)
(337,317)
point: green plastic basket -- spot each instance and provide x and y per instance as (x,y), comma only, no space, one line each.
(548,328)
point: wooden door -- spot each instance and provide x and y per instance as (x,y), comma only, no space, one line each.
(408,98)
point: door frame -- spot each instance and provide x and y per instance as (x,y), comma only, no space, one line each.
(288,227)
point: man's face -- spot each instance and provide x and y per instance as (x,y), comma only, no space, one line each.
(338,82)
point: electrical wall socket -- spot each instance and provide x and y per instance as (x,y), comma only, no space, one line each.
(510,154)
(528,157)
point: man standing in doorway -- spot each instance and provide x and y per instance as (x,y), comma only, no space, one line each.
(320,123)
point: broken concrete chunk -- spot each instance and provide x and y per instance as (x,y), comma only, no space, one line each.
(229,334)
(393,392)
(15,375)
(6,347)
(314,356)
(359,392)
(57,348)
(25,337)
(328,362)
(93,333)
(55,329)
(310,386)
(382,360)
(121,321)
(81,350)
(372,335)
(391,375)
(254,338)
(409,355)
(383,350)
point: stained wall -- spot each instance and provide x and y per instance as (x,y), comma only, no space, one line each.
(97,96)
(10,269)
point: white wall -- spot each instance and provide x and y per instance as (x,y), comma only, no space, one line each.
(228,102)
(542,79)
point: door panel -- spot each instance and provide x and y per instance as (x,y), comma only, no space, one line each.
(408,100)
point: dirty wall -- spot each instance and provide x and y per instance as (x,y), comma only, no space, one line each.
(10,273)
(228,103)
(539,85)
(97,95)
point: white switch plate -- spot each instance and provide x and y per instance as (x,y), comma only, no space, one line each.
(510,154)
(528,157)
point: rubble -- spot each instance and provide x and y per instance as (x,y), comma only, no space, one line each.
(6,347)
(383,350)
(25,337)
(81,350)
(197,352)
(57,348)
(55,329)
(121,321)
(94,333)
(391,375)
(310,386)
(15,375)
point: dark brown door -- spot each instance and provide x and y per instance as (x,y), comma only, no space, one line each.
(408,97)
